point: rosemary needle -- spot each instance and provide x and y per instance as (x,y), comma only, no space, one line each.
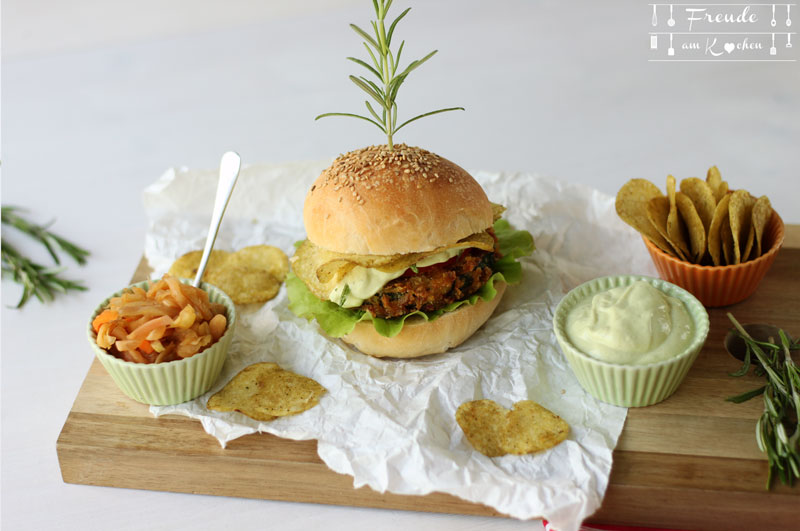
(384,65)
(37,280)
(778,429)
(41,233)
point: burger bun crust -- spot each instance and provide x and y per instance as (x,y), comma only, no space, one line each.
(374,201)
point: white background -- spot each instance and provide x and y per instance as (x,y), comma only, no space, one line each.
(100,97)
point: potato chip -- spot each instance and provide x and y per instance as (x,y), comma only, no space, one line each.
(676,229)
(244,284)
(497,210)
(494,431)
(658,214)
(482,422)
(264,257)
(532,428)
(740,210)
(702,198)
(250,275)
(762,212)
(321,269)
(186,266)
(694,226)
(264,391)
(632,203)
(721,217)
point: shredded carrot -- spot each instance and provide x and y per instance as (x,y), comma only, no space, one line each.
(105,316)
(146,347)
(167,322)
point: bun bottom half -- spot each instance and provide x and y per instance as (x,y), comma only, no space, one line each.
(419,337)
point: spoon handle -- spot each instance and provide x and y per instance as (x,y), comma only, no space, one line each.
(228,174)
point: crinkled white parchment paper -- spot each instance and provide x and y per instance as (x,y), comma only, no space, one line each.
(391,424)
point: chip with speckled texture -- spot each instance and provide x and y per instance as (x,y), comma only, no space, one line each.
(482,423)
(495,431)
(250,275)
(321,269)
(265,391)
(631,205)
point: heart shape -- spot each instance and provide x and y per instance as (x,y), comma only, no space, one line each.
(729,47)
(494,430)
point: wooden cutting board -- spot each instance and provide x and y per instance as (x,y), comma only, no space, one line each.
(690,462)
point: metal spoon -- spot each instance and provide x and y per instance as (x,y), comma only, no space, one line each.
(671,21)
(735,345)
(228,174)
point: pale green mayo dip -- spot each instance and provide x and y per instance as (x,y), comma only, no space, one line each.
(631,325)
(364,282)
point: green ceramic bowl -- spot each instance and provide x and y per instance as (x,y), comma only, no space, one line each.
(173,382)
(630,385)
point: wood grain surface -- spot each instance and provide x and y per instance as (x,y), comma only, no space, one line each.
(690,462)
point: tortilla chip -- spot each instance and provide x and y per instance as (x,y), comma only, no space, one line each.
(762,212)
(726,239)
(740,210)
(658,214)
(749,246)
(632,204)
(721,217)
(494,431)
(676,230)
(694,226)
(264,392)
(702,198)
(714,179)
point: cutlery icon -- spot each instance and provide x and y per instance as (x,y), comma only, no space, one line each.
(671,50)
(773,50)
(788,40)
(671,21)
(788,15)
(773,16)
(655,19)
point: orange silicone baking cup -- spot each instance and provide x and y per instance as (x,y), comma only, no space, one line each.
(720,285)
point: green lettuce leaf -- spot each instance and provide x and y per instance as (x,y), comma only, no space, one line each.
(337,321)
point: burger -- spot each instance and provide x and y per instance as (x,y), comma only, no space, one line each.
(405,255)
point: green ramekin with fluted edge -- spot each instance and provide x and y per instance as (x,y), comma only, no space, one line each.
(172,382)
(630,385)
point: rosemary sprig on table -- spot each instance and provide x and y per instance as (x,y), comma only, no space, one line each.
(37,280)
(44,236)
(777,430)
(384,66)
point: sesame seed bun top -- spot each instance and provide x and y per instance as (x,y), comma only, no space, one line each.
(377,201)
